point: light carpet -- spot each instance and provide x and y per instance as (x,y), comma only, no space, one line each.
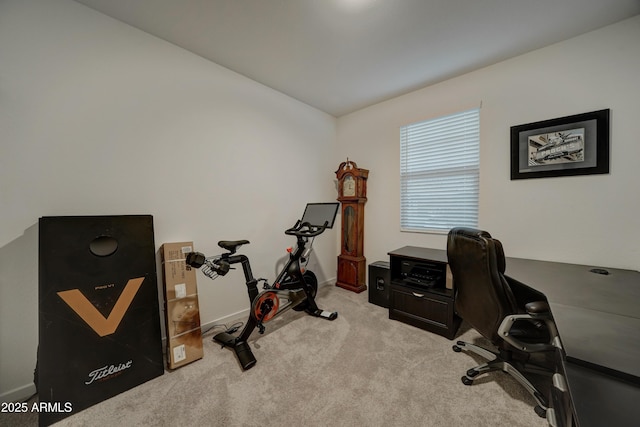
(361,369)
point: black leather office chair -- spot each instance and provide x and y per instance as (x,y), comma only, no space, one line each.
(515,318)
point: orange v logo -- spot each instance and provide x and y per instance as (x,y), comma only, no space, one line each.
(90,314)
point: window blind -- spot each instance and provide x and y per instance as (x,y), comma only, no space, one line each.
(439,173)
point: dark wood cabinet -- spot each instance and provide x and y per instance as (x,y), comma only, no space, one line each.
(421,292)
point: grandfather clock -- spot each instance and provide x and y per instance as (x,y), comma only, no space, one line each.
(352,194)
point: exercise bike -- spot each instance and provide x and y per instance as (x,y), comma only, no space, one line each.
(294,287)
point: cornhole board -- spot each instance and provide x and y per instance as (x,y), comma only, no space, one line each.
(99,320)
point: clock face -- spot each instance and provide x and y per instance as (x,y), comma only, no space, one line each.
(349,186)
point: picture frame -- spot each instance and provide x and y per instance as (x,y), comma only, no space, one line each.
(566,146)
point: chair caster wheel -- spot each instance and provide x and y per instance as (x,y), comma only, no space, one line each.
(542,413)
(466,381)
(472,373)
(456,349)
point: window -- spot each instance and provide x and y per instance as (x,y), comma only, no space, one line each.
(439,173)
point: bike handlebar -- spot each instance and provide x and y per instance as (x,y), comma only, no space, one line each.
(304,229)
(211,266)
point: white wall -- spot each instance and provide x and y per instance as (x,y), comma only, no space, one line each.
(98,118)
(584,219)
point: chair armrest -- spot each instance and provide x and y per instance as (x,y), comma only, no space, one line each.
(538,308)
(545,316)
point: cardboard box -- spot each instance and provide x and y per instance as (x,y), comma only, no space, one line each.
(183,315)
(179,279)
(184,349)
(182,311)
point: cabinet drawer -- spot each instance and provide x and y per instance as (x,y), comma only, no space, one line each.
(427,310)
(422,305)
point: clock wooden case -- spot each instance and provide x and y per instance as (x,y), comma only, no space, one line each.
(352,194)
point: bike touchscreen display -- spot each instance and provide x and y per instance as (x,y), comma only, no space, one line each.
(317,214)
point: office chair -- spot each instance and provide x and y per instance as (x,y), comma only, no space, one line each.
(512,316)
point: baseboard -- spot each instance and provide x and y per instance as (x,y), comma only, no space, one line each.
(239,316)
(19,394)
(331,281)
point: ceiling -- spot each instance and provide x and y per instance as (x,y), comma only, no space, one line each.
(342,55)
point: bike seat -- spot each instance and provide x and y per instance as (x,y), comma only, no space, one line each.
(232,245)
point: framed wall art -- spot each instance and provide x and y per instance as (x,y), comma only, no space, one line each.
(572,145)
